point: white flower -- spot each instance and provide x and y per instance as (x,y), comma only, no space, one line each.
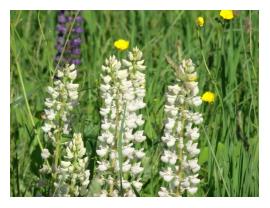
(139,120)
(49,102)
(169,140)
(128,151)
(169,157)
(105,126)
(103,193)
(103,165)
(47,127)
(125,184)
(167,175)
(102,151)
(45,154)
(139,137)
(72,86)
(45,169)
(172,111)
(163,192)
(193,165)
(192,133)
(197,118)
(65,164)
(106,79)
(104,111)
(192,148)
(175,89)
(128,135)
(185,183)
(50,114)
(126,63)
(192,190)
(194,180)
(137,184)
(196,101)
(122,74)
(171,99)
(136,168)
(126,166)
(140,153)
(72,75)
(104,87)
(170,124)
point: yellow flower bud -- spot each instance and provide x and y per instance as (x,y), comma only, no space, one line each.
(200,21)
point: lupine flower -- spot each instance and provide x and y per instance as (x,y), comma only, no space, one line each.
(72,176)
(200,21)
(63,97)
(226,14)
(71,53)
(208,97)
(122,91)
(121,44)
(180,163)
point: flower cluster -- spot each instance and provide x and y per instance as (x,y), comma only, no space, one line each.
(72,177)
(71,53)
(180,163)
(63,97)
(119,150)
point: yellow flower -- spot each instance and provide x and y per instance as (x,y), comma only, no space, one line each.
(200,21)
(121,44)
(226,14)
(208,97)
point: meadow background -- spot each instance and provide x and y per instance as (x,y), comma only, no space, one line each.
(229,139)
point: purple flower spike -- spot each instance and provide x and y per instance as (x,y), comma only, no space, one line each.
(71,52)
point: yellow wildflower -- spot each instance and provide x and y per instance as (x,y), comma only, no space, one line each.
(226,14)
(208,97)
(121,44)
(200,21)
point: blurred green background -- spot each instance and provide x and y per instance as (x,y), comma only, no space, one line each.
(229,135)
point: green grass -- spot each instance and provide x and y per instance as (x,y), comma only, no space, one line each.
(229,135)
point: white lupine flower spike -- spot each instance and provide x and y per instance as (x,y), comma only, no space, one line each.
(180,154)
(68,172)
(72,173)
(123,91)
